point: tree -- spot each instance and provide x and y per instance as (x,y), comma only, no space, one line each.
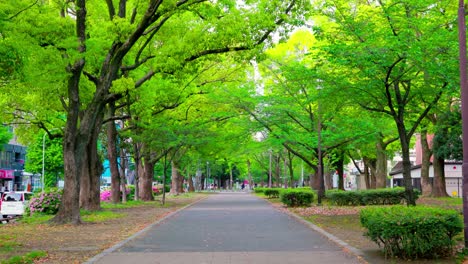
(385,46)
(98,51)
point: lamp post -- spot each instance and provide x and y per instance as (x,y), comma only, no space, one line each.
(43,161)
(207,175)
(321,191)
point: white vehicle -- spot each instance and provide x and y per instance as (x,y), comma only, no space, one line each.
(14,203)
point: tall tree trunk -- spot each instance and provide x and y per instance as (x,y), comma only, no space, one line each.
(146,181)
(407,180)
(136,147)
(277,171)
(291,168)
(175,179)
(340,169)
(285,166)
(425,164)
(380,165)
(439,189)
(181,183)
(112,155)
(366,176)
(123,167)
(74,146)
(191,187)
(90,197)
(231,177)
(249,173)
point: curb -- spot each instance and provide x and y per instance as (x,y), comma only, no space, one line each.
(359,254)
(132,237)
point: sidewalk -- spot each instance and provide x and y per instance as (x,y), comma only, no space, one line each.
(230,228)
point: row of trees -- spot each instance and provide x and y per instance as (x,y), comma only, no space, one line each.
(181,80)
(80,65)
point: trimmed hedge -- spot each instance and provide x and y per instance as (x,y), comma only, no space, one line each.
(259,190)
(293,198)
(369,197)
(272,192)
(412,232)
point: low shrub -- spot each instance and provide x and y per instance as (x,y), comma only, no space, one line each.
(46,202)
(385,196)
(294,198)
(412,232)
(106,195)
(272,192)
(344,198)
(156,191)
(259,190)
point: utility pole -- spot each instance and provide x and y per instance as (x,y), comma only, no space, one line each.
(464,102)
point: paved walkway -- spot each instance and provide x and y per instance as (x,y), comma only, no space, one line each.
(228,228)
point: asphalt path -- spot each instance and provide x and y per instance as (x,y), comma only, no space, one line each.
(228,228)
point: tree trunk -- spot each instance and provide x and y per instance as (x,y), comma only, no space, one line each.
(291,168)
(123,167)
(407,180)
(277,171)
(91,174)
(146,181)
(380,166)
(112,156)
(425,164)
(74,146)
(136,148)
(366,176)
(340,169)
(181,183)
(175,179)
(231,177)
(191,187)
(439,189)
(249,173)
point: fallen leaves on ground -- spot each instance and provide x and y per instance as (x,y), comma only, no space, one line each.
(321,210)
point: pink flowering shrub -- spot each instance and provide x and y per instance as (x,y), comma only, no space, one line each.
(47,202)
(156,190)
(106,195)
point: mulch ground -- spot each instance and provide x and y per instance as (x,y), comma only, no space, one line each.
(78,243)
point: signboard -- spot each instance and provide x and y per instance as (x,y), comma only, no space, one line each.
(7,174)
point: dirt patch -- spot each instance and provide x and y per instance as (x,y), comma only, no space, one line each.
(76,244)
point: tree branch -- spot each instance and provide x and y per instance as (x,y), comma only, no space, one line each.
(21,11)
(91,77)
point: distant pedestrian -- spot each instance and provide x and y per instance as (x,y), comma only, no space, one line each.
(242,186)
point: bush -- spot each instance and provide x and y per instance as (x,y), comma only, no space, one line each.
(412,232)
(46,202)
(293,198)
(259,190)
(106,195)
(369,197)
(156,191)
(130,191)
(272,192)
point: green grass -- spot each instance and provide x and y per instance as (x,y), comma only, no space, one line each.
(25,259)
(8,243)
(128,204)
(100,216)
(35,219)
